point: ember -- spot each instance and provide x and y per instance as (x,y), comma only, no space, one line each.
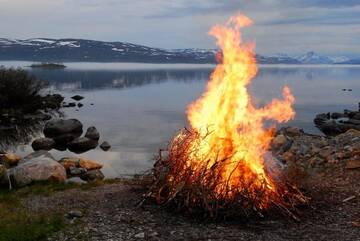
(221,164)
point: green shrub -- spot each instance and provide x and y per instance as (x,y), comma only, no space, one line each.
(19,89)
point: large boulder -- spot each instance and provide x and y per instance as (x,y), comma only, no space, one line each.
(63,131)
(36,154)
(10,159)
(82,144)
(92,133)
(38,166)
(43,143)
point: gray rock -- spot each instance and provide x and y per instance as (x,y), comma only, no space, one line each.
(60,126)
(74,214)
(43,143)
(92,133)
(337,115)
(82,144)
(38,166)
(77,171)
(62,140)
(337,123)
(77,97)
(333,128)
(93,175)
(71,104)
(63,131)
(321,119)
(105,146)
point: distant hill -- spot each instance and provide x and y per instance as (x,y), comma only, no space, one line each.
(82,50)
(65,50)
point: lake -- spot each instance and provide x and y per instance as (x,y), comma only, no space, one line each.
(137,108)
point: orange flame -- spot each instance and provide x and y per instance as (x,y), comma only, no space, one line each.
(230,126)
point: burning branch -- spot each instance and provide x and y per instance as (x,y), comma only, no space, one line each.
(201,189)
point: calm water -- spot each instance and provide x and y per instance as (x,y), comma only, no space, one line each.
(139,107)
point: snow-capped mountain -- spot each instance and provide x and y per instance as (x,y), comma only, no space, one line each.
(45,49)
(309,58)
(313,58)
(339,59)
(277,59)
(67,50)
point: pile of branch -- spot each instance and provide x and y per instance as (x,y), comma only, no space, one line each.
(198,188)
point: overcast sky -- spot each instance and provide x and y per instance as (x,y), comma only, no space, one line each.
(288,26)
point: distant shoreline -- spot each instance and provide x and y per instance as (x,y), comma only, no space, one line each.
(157,66)
(167,63)
(48,65)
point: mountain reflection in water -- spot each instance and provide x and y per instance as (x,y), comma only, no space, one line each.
(90,80)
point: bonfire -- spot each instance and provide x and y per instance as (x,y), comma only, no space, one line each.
(221,164)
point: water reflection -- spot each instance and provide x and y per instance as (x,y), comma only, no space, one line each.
(90,80)
(139,110)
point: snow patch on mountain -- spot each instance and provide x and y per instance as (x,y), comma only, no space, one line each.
(42,40)
(118,50)
(339,59)
(71,44)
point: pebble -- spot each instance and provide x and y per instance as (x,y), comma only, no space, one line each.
(140,235)
(74,214)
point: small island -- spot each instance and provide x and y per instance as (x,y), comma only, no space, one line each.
(48,65)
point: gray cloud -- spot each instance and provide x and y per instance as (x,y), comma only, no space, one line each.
(325,3)
(294,26)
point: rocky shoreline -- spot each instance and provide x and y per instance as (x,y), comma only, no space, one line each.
(60,134)
(303,153)
(327,169)
(40,166)
(55,133)
(332,124)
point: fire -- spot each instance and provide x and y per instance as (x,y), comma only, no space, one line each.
(226,112)
(221,159)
